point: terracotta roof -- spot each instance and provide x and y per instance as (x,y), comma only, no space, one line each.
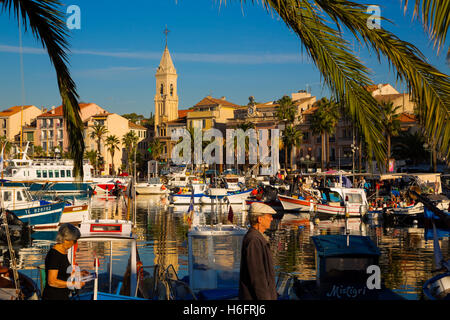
(407,117)
(183,113)
(133,125)
(58,112)
(209,101)
(12,110)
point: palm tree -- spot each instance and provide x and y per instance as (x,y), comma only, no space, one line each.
(286,110)
(47,22)
(98,131)
(391,123)
(409,146)
(112,143)
(323,121)
(156,149)
(346,76)
(91,155)
(130,140)
(39,152)
(244,126)
(291,137)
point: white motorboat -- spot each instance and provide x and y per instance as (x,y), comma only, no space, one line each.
(343,201)
(184,195)
(153,186)
(52,175)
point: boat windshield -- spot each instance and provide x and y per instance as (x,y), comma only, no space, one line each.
(27,195)
(332,196)
(353,198)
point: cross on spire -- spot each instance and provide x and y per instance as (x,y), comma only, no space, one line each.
(166,32)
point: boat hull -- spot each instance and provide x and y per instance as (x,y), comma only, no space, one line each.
(75,214)
(338,210)
(293,204)
(151,189)
(45,216)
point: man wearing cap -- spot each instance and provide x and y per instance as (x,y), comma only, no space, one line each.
(257,275)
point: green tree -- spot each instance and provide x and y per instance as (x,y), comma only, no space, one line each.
(323,122)
(92,156)
(286,110)
(130,140)
(112,144)
(133,117)
(39,152)
(98,131)
(156,148)
(391,123)
(409,146)
(291,137)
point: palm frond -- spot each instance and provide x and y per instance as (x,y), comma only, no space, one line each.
(47,24)
(343,72)
(435,16)
(429,88)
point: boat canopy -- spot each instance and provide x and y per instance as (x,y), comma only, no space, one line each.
(336,245)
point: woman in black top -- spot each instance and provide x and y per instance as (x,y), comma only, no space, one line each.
(57,264)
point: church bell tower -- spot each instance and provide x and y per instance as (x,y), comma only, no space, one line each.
(166,98)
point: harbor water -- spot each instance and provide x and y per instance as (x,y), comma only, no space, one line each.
(406,260)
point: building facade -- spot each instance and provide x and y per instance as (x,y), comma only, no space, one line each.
(15,118)
(51,131)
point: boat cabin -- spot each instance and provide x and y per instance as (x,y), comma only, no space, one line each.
(15,197)
(214,260)
(342,262)
(108,242)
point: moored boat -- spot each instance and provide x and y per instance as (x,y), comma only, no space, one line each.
(345,265)
(105,283)
(37,213)
(55,175)
(342,201)
(296,203)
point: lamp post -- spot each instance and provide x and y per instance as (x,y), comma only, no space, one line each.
(354,149)
(307,160)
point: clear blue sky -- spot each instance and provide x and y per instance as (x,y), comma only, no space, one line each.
(230,51)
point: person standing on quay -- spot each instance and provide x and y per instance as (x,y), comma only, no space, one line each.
(257,274)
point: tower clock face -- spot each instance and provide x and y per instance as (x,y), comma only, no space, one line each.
(250,111)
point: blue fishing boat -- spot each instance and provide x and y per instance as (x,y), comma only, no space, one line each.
(38,214)
(43,216)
